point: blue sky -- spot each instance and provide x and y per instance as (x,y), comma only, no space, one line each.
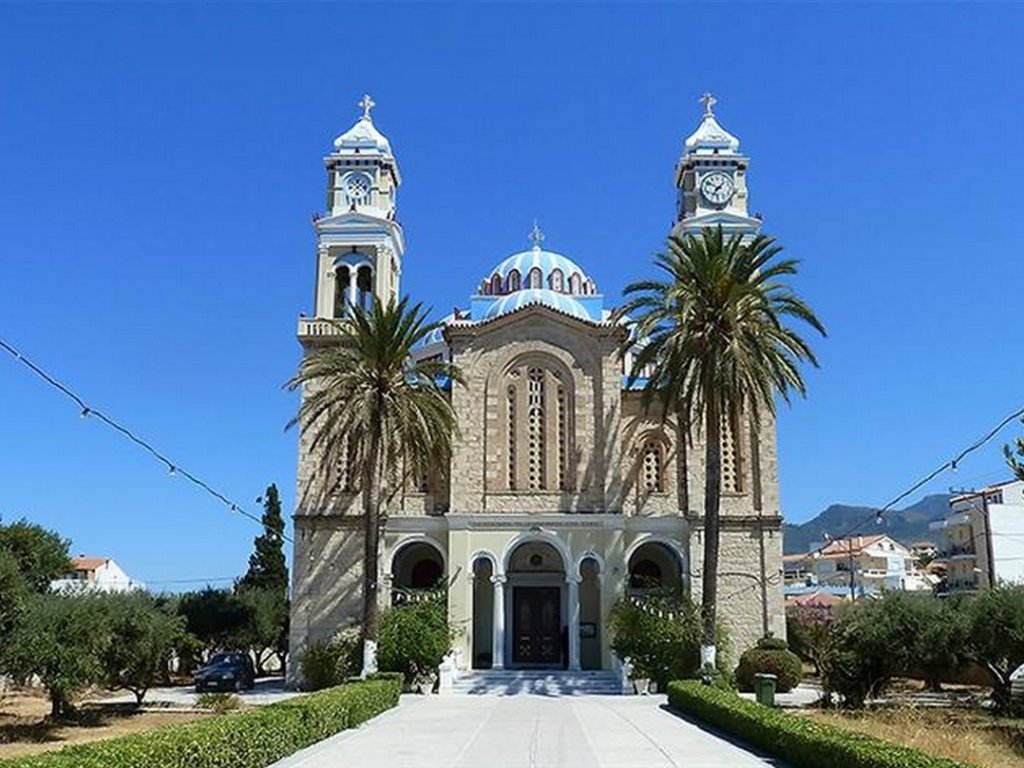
(159,166)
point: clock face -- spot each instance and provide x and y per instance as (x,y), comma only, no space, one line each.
(717,188)
(357,187)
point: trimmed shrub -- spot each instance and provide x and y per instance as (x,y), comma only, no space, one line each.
(770,656)
(800,741)
(413,639)
(331,663)
(660,635)
(251,739)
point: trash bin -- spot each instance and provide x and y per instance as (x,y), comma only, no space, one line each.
(764,689)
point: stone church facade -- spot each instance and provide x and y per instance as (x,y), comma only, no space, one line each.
(562,495)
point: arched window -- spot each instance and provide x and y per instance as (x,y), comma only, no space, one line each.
(364,287)
(485,288)
(537,431)
(557,281)
(574,283)
(512,422)
(342,278)
(513,281)
(496,284)
(346,475)
(652,466)
(731,465)
(536,278)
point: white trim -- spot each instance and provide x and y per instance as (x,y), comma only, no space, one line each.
(589,554)
(653,538)
(486,554)
(546,537)
(416,538)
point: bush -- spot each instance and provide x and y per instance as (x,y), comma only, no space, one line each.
(218,702)
(801,742)
(414,638)
(331,663)
(770,656)
(251,739)
(661,638)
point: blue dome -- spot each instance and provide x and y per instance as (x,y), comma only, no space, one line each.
(557,273)
(530,296)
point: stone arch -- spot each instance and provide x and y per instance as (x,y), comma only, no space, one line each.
(536,419)
(403,549)
(660,553)
(542,536)
(589,555)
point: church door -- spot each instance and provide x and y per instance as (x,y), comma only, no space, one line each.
(537,626)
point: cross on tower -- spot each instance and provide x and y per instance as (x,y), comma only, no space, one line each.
(366,104)
(708,100)
(536,236)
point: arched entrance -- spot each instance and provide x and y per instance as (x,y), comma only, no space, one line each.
(590,613)
(483,613)
(417,570)
(536,607)
(655,568)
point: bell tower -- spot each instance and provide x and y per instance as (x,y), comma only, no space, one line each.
(712,180)
(359,240)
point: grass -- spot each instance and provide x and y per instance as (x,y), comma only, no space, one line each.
(25,728)
(964,735)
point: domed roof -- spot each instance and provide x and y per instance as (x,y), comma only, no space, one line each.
(710,137)
(363,137)
(543,296)
(556,274)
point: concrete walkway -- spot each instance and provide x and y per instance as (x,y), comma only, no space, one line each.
(527,732)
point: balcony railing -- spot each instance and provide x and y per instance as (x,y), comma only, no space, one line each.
(313,327)
(966,550)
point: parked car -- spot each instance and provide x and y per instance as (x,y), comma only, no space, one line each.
(231,671)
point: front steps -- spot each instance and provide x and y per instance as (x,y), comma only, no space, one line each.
(555,682)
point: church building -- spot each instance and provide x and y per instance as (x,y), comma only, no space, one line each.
(562,496)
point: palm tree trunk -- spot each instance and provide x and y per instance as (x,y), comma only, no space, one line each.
(712,502)
(371,548)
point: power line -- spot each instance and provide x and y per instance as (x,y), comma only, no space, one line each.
(173,467)
(878,516)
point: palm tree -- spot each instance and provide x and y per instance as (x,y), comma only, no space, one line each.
(714,339)
(369,406)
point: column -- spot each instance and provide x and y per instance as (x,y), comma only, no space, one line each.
(573,581)
(498,622)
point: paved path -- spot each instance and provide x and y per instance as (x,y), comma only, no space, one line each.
(527,732)
(268,690)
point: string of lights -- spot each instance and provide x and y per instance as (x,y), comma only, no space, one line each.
(173,468)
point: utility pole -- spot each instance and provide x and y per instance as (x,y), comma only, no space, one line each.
(853,589)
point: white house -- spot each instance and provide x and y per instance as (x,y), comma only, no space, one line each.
(983,537)
(866,564)
(95,574)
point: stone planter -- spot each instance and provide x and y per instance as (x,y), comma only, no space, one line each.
(641,685)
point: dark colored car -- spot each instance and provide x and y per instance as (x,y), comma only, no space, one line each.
(231,671)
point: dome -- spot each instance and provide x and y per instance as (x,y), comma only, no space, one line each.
(710,137)
(538,269)
(560,302)
(363,137)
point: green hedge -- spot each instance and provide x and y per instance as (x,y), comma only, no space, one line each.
(800,741)
(250,739)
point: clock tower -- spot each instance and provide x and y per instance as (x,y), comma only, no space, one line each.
(359,240)
(712,180)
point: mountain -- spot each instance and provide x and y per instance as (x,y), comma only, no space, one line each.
(905,525)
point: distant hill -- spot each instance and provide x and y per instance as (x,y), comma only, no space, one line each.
(906,525)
